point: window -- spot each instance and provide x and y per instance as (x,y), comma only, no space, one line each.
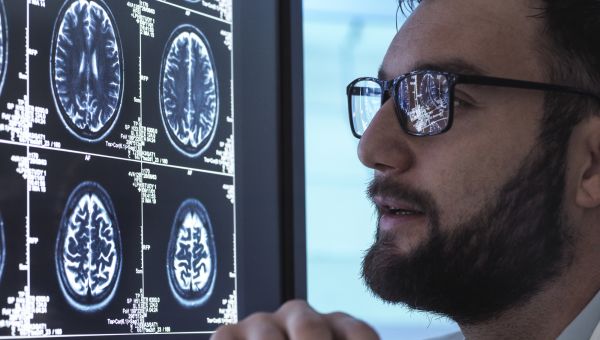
(345,39)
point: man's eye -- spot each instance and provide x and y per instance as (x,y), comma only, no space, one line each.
(463,100)
(460,103)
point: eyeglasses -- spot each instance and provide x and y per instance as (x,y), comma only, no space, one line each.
(424,100)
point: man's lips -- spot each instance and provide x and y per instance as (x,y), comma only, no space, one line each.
(395,213)
(392,206)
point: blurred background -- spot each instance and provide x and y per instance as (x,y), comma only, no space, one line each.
(343,40)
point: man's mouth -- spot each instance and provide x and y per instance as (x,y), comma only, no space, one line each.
(396,213)
(390,206)
(401,211)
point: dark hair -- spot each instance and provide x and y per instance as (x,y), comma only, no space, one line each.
(571,48)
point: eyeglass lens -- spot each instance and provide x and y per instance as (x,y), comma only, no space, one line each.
(365,101)
(422,101)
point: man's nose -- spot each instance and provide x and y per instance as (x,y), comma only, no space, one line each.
(384,146)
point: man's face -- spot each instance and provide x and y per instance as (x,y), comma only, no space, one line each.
(463,168)
(458,211)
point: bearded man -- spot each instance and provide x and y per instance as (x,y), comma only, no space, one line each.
(483,131)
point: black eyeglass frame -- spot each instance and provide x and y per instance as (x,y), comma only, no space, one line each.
(390,87)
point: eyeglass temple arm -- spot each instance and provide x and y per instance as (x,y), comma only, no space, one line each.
(522,84)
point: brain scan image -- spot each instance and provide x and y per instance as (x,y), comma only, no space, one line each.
(86,66)
(191,256)
(188,91)
(88,249)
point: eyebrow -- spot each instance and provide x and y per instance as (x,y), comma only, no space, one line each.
(453,65)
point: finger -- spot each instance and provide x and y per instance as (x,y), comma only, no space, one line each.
(345,327)
(302,322)
(260,326)
(228,332)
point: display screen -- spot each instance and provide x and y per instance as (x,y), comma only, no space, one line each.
(117,183)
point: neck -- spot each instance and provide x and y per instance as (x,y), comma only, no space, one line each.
(550,311)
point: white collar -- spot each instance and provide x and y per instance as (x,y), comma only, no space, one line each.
(585,324)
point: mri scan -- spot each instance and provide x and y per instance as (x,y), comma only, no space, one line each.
(191,257)
(188,94)
(88,248)
(86,66)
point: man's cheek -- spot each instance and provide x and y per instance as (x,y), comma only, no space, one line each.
(461,198)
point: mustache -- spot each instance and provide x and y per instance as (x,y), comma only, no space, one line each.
(387,187)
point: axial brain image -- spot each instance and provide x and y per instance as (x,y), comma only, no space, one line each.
(88,248)
(191,258)
(87,69)
(189,98)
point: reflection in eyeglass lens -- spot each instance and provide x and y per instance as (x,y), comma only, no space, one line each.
(424,100)
(365,103)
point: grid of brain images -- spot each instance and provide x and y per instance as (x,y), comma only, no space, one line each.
(188,91)
(86,66)
(191,256)
(87,81)
(88,248)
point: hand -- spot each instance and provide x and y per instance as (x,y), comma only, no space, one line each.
(296,320)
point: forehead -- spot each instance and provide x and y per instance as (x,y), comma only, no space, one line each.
(499,38)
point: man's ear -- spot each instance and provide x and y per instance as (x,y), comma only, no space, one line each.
(588,189)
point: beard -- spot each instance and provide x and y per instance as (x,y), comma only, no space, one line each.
(495,260)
